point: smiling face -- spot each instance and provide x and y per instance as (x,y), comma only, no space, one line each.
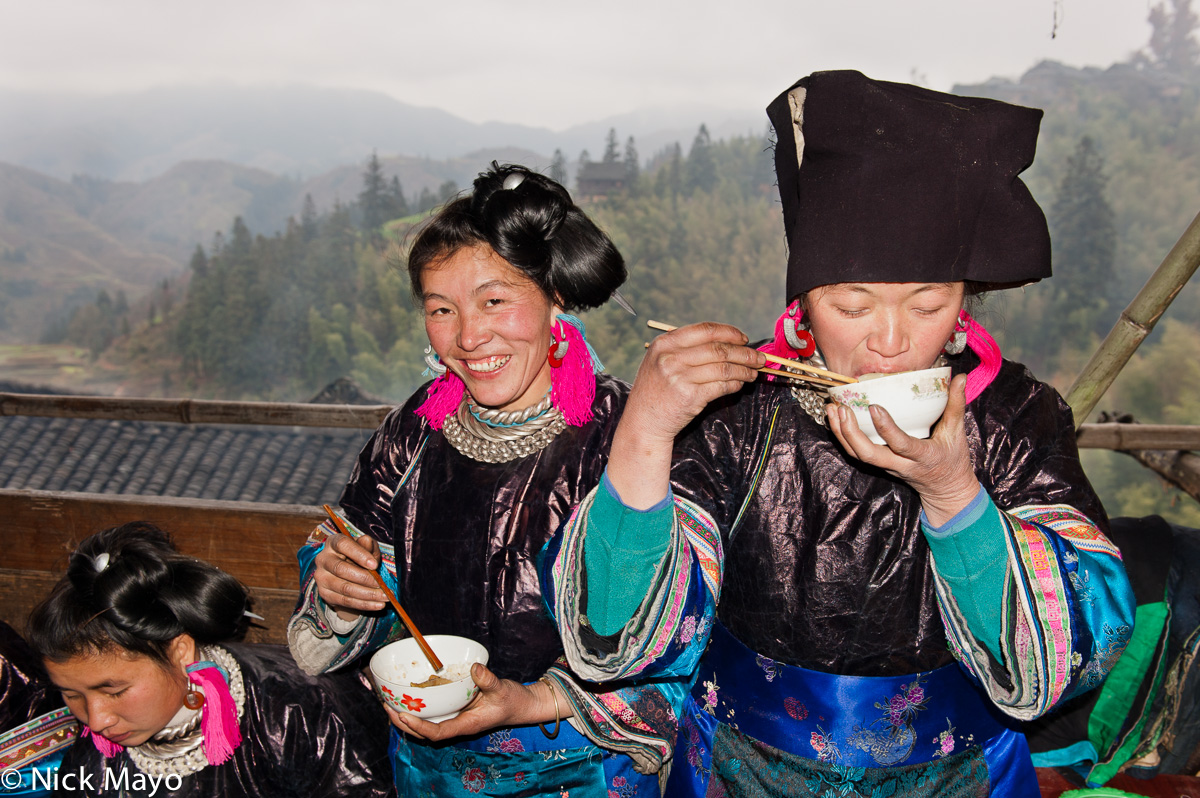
(490,324)
(865,328)
(124,696)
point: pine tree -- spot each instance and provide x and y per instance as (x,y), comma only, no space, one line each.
(427,200)
(1085,244)
(308,218)
(447,191)
(701,168)
(373,199)
(632,167)
(612,152)
(397,205)
(558,168)
(1172,45)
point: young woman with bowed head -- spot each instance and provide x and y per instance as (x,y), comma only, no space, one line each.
(461,487)
(876,616)
(135,636)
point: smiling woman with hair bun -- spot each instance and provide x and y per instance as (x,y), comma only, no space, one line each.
(461,487)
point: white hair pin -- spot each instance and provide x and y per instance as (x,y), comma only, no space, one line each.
(513,180)
(101,561)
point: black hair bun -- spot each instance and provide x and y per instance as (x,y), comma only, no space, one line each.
(531,222)
(129,586)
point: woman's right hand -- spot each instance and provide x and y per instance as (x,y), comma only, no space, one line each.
(683,371)
(344,581)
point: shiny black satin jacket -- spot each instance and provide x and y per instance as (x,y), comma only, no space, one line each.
(25,689)
(827,567)
(304,736)
(468,534)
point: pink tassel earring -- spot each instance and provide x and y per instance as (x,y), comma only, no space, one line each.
(107,748)
(219,721)
(983,345)
(445,395)
(573,369)
(792,338)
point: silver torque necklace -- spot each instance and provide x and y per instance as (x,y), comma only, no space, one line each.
(496,436)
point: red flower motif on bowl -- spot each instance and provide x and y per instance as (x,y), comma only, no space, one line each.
(412,704)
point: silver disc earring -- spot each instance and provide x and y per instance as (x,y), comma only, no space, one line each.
(433,363)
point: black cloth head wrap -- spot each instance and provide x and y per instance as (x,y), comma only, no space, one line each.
(896,183)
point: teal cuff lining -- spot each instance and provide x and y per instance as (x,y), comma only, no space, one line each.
(1081,753)
(621,553)
(963,519)
(970,554)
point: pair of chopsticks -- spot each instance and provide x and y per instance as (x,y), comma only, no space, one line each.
(809,373)
(412,627)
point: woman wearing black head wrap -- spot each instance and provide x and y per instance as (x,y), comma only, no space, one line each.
(459,489)
(135,636)
(884,609)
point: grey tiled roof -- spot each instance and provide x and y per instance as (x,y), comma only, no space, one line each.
(280,465)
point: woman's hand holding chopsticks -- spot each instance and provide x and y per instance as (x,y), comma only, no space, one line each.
(682,372)
(343,575)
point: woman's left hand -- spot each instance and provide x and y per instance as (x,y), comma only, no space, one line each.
(500,703)
(939,468)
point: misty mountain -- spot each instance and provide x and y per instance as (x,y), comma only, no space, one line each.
(54,254)
(298,131)
(62,242)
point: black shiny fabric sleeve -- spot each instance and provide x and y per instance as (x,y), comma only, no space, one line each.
(1022,435)
(367,497)
(25,690)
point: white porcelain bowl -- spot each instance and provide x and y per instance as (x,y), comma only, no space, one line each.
(396,667)
(915,400)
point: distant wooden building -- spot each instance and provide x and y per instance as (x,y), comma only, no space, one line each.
(597,180)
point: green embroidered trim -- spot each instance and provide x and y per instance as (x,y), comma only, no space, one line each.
(1146,650)
(758,474)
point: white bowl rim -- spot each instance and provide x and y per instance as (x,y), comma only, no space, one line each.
(429,639)
(888,379)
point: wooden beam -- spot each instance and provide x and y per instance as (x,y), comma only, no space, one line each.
(194,411)
(1128,437)
(257,543)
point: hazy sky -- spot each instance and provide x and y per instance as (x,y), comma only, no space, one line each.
(547,63)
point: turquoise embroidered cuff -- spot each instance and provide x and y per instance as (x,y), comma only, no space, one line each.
(969,552)
(621,553)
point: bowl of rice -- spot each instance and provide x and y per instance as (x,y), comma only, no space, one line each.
(404,679)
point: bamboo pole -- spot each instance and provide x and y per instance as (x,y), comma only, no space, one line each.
(1136,322)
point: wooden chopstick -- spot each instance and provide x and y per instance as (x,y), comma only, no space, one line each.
(791,375)
(837,379)
(412,627)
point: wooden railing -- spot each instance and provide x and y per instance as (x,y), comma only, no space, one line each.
(255,542)
(202,411)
